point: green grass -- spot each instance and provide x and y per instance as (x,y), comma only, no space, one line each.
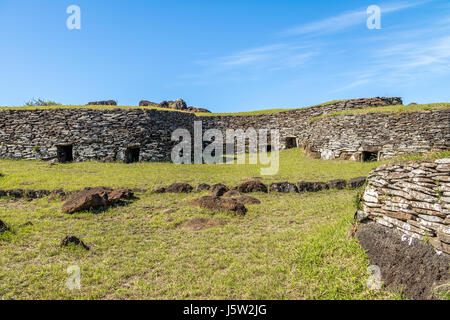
(249,113)
(292,246)
(294,167)
(388,109)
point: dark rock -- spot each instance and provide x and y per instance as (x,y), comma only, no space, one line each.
(218,190)
(3,227)
(145,103)
(57,194)
(179,104)
(221,204)
(252,186)
(198,110)
(337,184)
(203,187)
(413,267)
(160,189)
(232,193)
(73,240)
(179,187)
(17,193)
(91,198)
(103,103)
(311,186)
(27,224)
(357,182)
(285,187)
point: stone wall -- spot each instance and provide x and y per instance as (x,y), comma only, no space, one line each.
(292,123)
(93,134)
(109,135)
(384,134)
(413,197)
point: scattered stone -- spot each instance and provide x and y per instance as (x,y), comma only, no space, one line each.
(160,190)
(57,195)
(73,240)
(103,103)
(304,186)
(179,187)
(221,204)
(232,193)
(252,186)
(203,187)
(218,190)
(337,184)
(197,224)
(198,110)
(284,187)
(357,182)
(91,198)
(145,103)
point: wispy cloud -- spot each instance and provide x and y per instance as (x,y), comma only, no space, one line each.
(345,20)
(251,61)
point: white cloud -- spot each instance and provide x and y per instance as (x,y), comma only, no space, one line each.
(345,20)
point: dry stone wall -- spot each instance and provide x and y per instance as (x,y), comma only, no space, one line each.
(140,134)
(93,134)
(413,197)
(383,134)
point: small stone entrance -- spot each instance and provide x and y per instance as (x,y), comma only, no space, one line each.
(291,142)
(64,153)
(132,154)
(369,156)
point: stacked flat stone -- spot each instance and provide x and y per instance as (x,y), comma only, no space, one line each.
(413,197)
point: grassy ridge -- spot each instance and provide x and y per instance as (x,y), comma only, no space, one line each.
(388,109)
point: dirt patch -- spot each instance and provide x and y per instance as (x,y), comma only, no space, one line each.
(201,223)
(220,204)
(414,266)
(248,200)
(75,241)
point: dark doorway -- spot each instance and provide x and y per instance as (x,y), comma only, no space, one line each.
(268,148)
(291,142)
(65,153)
(369,156)
(132,155)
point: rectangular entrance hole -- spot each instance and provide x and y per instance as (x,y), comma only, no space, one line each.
(64,153)
(369,156)
(291,142)
(132,154)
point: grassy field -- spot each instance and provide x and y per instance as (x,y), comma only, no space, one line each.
(389,109)
(292,246)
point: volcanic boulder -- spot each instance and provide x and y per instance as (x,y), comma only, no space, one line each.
(252,186)
(73,240)
(91,198)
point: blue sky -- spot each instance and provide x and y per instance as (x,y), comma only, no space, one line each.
(227,56)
